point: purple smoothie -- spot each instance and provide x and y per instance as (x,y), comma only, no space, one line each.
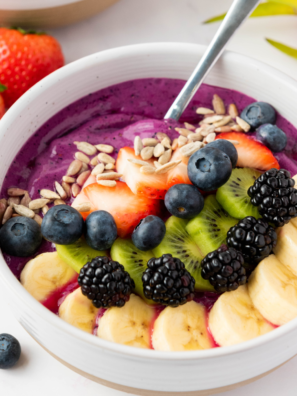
(110,116)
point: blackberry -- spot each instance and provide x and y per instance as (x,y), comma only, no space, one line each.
(275,197)
(224,269)
(255,239)
(167,282)
(105,283)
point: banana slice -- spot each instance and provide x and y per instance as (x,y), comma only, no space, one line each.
(181,329)
(286,247)
(79,311)
(129,325)
(44,274)
(234,319)
(273,290)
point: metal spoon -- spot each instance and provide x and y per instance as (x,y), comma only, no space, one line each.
(236,15)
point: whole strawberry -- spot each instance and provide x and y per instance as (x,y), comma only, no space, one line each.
(25,58)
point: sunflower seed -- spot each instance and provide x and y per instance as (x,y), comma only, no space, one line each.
(16,192)
(75,189)
(183,131)
(138,146)
(165,157)
(210,138)
(83,207)
(109,166)
(82,157)
(244,125)
(84,168)
(82,178)
(109,176)
(161,135)
(174,144)
(45,209)
(7,214)
(49,194)
(190,127)
(38,203)
(24,211)
(167,167)
(13,201)
(147,170)
(166,142)
(86,148)
(149,142)
(59,202)
(3,207)
(181,141)
(223,129)
(147,153)
(204,110)
(137,162)
(159,150)
(211,120)
(223,122)
(207,130)
(105,148)
(236,128)
(67,188)
(107,183)
(106,159)
(98,169)
(60,190)
(218,105)
(26,200)
(232,110)
(157,164)
(194,137)
(74,168)
(94,161)
(190,148)
(68,179)
(38,219)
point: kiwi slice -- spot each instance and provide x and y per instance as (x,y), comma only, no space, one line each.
(78,254)
(134,261)
(179,243)
(233,195)
(209,229)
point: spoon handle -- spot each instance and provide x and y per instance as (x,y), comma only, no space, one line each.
(236,15)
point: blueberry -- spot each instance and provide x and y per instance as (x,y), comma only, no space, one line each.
(258,113)
(227,148)
(272,136)
(20,236)
(63,225)
(10,351)
(184,201)
(149,233)
(209,168)
(101,230)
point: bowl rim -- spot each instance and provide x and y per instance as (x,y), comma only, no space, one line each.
(12,282)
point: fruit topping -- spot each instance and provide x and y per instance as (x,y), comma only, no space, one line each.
(286,248)
(78,254)
(20,236)
(62,225)
(149,233)
(179,243)
(167,282)
(224,269)
(105,283)
(258,113)
(275,196)
(79,311)
(251,154)
(10,351)
(101,230)
(234,318)
(233,195)
(126,208)
(184,201)
(130,325)
(182,329)
(44,274)
(209,168)
(209,229)
(273,137)
(227,148)
(254,238)
(179,174)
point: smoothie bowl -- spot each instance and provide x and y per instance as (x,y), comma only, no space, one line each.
(166,310)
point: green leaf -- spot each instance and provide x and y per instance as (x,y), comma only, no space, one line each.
(272,8)
(284,48)
(2,88)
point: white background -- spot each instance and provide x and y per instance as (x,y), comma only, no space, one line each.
(131,22)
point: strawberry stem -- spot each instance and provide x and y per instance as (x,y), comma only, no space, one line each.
(3,87)
(23,31)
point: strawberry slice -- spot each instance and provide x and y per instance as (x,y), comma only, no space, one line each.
(179,174)
(126,208)
(251,153)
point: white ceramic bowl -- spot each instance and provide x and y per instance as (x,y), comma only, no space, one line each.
(45,14)
(137,368)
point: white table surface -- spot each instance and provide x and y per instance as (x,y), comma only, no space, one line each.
(131,22)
